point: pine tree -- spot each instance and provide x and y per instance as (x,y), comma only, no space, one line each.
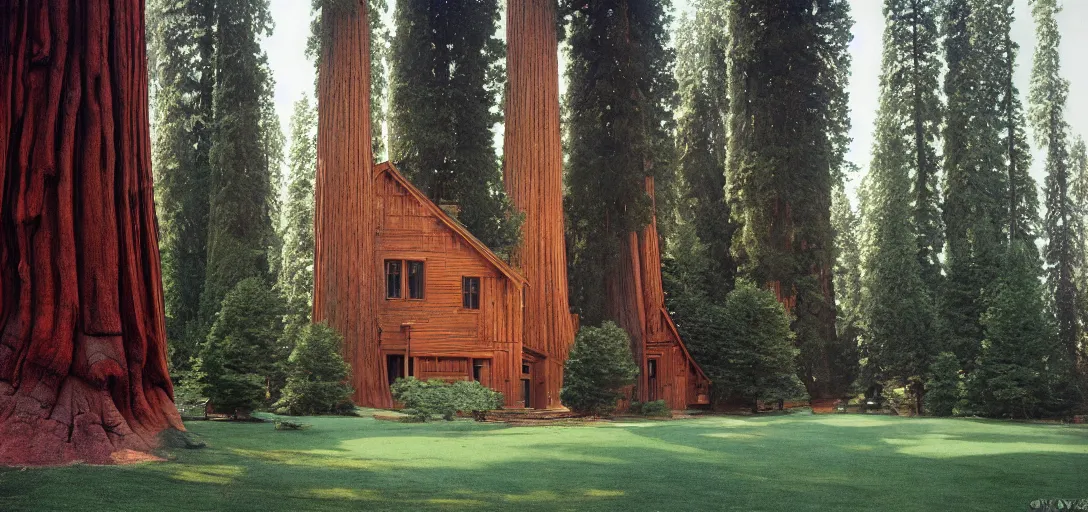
(445,85)
(240,219)
(379,76)
(701,139)
(1064,254)
(846,225)
(181,48)
(897,304)
(617,95)
(1079,173)
(296,277)
(787,70)
(316,375)
(1022,370)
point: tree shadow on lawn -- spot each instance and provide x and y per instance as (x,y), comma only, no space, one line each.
(353,464)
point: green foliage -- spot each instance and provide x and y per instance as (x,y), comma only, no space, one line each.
(700,141)
(239,355)
(296,278)
(847,226)
(424,400)
(445,86)
(181,45)
(619,119)
(1022,370)
(190,390)
(654,409)
(600,365)
(317,375)
(1079,174)
(944,388)
(788,125)
(245,154)
(379,76)
(1064,221)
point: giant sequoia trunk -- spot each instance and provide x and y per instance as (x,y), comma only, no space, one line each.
(345,270)
(82,343)
(534,180)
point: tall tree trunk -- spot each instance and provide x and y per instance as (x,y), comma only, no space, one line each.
(345,269)
(83,346)
(534,180)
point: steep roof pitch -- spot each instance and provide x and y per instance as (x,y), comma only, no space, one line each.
(451,223)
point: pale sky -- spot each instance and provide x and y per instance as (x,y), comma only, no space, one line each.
(294,74)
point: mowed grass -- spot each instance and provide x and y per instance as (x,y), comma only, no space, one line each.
(790,462)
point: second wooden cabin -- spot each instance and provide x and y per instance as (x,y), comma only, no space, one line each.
(453,310)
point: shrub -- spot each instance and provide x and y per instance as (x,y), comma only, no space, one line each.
(599,367)
(944,389)
(236,354)
(424,400)
(654,409)
(190,395)
(317,375)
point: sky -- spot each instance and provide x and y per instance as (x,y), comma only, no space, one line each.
(294,74)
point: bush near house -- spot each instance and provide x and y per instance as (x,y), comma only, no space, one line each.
(424,400)
(599,367)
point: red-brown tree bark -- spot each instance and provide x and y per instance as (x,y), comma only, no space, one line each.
(346,282)
(82,340)
(534,180)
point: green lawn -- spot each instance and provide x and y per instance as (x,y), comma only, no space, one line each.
(791,462)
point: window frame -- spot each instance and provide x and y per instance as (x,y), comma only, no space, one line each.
(467,294)
(399,281)
(422,280)
(403,288)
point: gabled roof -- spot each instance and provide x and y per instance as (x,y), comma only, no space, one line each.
(450,222)
(680,341)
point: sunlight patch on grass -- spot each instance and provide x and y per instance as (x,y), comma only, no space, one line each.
(947,449)
(341,493)
(732,435)
(603,493)
(532,496)
(221,475)
(455,502)
(306,458)
(851,421)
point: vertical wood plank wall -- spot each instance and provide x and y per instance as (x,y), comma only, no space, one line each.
(533,176)
(344,270)
(445,337)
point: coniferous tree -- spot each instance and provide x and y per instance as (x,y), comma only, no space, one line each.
(846,225)
(181,42)
(379,76)
(1064,254)
(787,135)
(897,305)
(243,156)
(296,277)
(445,86)
(1079,172)
(700,141)
(618,100)
(1022,371)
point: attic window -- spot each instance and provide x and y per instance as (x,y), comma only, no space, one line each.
(470,292)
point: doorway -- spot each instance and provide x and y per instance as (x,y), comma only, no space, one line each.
(651,379)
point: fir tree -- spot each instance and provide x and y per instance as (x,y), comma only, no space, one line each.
(897,304)
(1079,172)
(379,74)
(240,228)
(599,367)
(618,100)
(1048,96)
(1022,371)
(846,225)
(445,85)
(787,70)
(701,141)
(317,375)
(296,277)
(181,49)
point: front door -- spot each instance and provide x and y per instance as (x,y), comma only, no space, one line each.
(527,383)
(651,380)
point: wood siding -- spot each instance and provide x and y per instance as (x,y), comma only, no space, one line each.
(441,336)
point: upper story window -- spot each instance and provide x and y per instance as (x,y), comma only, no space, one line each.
(415,280)
(400,274)
(470,292)
(392,279)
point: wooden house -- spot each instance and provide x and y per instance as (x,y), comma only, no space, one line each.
(451,308)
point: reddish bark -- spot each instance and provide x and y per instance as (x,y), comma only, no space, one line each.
(82,340)
(346,282)
(534,180)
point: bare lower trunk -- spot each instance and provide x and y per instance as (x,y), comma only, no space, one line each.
(83,346)
(534,180)
(345,269)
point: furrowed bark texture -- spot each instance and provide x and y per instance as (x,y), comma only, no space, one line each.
(82,338)
(346,284)
(534,181)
